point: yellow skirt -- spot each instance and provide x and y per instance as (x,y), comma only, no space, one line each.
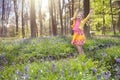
(78,37)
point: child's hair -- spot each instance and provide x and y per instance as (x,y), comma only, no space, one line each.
(77,12)
(81,14)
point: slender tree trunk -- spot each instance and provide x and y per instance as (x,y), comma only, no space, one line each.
(40,17)
(54,27)
(65,22)
(86,12)
(61,21)
(103,28)
(16,15)
(50,20)
(113,26)
(23,23)
(33,20)
(70,12)
(3,19)
(118,23)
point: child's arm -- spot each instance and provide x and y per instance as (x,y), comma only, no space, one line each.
(74,17)
(74,21)
(84,21)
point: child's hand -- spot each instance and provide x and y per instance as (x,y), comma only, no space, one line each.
(72,19)
(91,11)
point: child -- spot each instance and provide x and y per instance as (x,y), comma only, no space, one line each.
(79,37)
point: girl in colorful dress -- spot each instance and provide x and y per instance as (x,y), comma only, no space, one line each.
(79,38)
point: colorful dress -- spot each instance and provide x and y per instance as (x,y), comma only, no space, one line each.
(79,36)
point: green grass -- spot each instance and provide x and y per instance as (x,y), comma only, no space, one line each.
(47,58)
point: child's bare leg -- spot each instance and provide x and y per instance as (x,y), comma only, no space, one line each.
(80,49)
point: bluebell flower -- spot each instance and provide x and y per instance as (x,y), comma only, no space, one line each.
(95,70)
(41,60)
(117,68)
(53,67)
(6,62)
(118,76)
(19,73)
(62,73)
(26,77)
(104,54)
(118,60)
(26,69)
(106,75)
(13,63)
(2,68)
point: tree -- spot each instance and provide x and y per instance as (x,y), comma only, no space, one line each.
(40,16)
(16,14)
(6,8)
(111,10)
(53,17)
(118,23)
(23,23)
(86,11)
(61,12)
(33,20)
(3,19)
(104,27)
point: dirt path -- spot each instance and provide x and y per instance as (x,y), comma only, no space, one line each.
(106,36)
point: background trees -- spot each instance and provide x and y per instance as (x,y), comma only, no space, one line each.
(32,18)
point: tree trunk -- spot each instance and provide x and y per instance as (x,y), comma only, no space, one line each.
(86,12)
(72,13)
(23,23)
(3,19)
(118,23)
(40,17)
(70,17)
(65,22)
(103,28)
(60,10)
(111,10)
(16,15)
(54,27)
(33,20)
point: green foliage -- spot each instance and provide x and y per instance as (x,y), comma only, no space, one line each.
(99,10)
(78,68)
(43,58)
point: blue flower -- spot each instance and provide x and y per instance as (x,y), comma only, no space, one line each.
(94,70)
(104,54)
(26,69)
(118,60)
(19,73)
(118,76)
(106,75)
(53,67)
(13,63)
(26,76)
(63,73)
